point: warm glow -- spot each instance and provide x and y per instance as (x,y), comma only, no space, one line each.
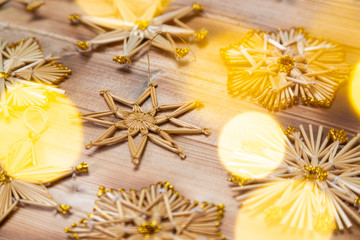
(251,145)
(355,89)
(58,146)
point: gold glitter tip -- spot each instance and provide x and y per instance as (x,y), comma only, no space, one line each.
(181,52)
(74,18)
(201,34)
(83,45)
(311,173)
(148,228)
(82,168)
(285,63)
(198,6)
(4,178)
(337,135)
(122,60)
(64,209)
(4,75)
(289,131)
(239,180)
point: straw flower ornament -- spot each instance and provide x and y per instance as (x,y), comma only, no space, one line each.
(30,5)
(136,22)
(316,187)
(147,123)
(26,75)
(157,212)
(276,69)
(22,179)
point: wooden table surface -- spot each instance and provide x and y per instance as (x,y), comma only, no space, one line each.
(200,176)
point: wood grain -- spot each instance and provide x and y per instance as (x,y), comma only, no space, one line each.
(200,176)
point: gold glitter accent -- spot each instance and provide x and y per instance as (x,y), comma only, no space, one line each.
(64,209)
(83,45)
(4,75)
(285,63)
(239,180)
(142,24)
(201,34)
(82,168)
(324,223)
(76,236)
(149,228)
(4,178)
(102,190)
(357,201)
(289,131)
(122,60)
(337,135)
(181,52)
(198,6)
(74,18)
(14,45)
(311,173)
(68,230)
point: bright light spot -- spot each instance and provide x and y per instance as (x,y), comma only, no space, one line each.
(251,145)
(355,89)
(254,226)
(58,146)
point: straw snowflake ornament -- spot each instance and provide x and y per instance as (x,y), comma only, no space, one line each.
(21,179)
(31,5)
(26,75)
(316,187)
(124,21)
(276,69)
(147,123)
(157,212)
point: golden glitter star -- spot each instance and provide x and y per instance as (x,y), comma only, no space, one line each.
(316,187)
(30,5)
(26,75)
(146,123)
(135,29)
(276,69)
(158,212)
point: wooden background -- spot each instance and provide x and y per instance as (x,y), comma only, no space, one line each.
(200,176)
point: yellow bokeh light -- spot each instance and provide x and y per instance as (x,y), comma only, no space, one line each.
(251,145)
(355,89)
(58,146)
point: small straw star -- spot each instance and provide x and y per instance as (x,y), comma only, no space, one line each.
(157,212)
(136,31)
(27,76)
(276,69)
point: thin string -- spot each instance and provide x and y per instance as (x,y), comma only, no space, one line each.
(43,115)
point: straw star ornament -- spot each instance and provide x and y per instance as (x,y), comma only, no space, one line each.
(134,25)
(276,69)
(27,76)
(158,212)
(22,179)
(147,123)
(31,5)
(317,186)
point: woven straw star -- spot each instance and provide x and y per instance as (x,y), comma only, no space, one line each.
(22,179)
(26,75)
(135,30)
(155,213)
(276,69)
(31,5)
(317,186)
(146,123)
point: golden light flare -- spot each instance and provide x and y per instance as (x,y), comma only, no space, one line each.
(255,226)
(251,145)
(355,89)
(58,145)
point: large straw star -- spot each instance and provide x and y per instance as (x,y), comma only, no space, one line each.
(146,123)
(26,75)
(153,213)
(133,28)
(21,180)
